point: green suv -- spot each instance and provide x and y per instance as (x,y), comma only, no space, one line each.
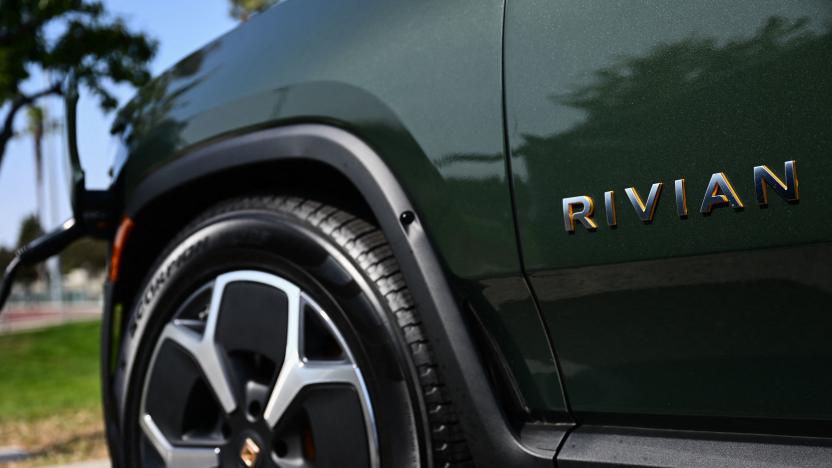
(492,233)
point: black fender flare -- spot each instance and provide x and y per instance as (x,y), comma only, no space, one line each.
(488,432)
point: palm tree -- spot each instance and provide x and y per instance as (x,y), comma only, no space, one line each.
(36,127)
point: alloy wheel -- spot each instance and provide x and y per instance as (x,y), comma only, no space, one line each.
(251,371)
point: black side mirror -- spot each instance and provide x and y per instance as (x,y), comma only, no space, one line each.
(77,179)
(91,209)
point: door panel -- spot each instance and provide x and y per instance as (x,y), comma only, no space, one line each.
(722,315)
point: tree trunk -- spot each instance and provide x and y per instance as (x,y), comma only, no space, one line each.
(7,131)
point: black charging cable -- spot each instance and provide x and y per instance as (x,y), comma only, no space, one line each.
(37,251)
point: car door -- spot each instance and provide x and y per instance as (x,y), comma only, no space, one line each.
(671,165)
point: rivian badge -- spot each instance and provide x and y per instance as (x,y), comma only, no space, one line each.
(719,192)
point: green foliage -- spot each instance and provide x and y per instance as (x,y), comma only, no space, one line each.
(81,39)
(89,254)
(6,256)
(49,371)
(30,229)
(35,117)
(243,9)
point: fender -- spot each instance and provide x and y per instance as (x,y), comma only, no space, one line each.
(490,437)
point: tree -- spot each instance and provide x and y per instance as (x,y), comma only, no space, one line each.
(30,229)
(35,127)
(57,37)
(88,254)
(6,257)
(243,9)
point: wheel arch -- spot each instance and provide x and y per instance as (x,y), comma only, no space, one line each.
(162,216)
(168,198)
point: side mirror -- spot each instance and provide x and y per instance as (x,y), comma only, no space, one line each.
(77,179)
(91,209)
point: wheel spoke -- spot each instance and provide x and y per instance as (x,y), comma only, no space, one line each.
(298,373)
(206,354)
(204,348)
(178,457)
(294,463)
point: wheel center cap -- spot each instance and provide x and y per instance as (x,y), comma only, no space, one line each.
(250,452)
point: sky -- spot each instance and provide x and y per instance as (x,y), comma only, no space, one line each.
(180,27)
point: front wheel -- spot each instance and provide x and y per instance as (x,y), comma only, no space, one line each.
(279,332)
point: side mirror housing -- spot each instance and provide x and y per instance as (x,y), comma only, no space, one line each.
(91,208)
(77,179)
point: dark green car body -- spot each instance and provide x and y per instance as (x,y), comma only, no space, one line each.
(489,113)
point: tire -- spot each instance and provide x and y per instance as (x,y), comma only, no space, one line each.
(253,255)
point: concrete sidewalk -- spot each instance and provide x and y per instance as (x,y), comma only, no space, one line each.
(86,464)
(31,317)
(15,454)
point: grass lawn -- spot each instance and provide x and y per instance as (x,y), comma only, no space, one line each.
(49,392)
(49,371)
